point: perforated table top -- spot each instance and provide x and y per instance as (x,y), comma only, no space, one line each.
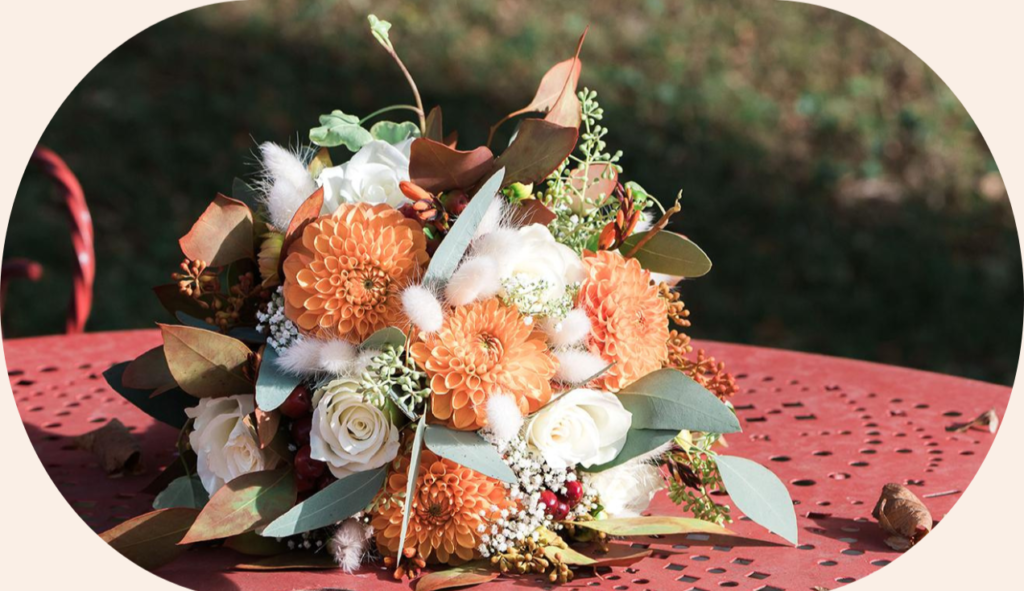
(834,430)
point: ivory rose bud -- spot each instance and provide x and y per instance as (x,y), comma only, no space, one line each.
(372,175)
(225,445)
(626,490)
(349,434)
(585,427)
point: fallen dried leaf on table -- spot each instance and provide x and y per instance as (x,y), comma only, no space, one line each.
(903,516)
(114,446)
(986,421)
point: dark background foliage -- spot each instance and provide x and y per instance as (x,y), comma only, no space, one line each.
(848,201)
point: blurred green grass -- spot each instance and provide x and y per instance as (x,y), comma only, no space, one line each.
(848,201)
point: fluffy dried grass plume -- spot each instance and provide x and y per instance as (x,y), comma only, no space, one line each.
(504,420)
(344,277)
(423,308)
(286,182)
(350,544)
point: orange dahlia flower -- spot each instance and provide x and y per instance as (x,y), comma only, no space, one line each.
(629,320)
(344,276)
(484,348)
(449,503)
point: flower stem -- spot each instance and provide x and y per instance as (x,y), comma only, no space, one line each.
(416,110)
(415,91)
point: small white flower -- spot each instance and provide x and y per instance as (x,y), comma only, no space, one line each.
(372,175)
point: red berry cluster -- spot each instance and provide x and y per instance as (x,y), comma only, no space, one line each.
(310,475)
(558,506)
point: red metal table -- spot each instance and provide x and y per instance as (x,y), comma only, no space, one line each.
(834,430)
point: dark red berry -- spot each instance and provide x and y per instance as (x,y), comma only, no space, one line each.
(304,485)
(550,501)
(561,510)
(307,467)
(326,480)
(298,403)
(573,492)
(408,211)
(300,430)
(455,202)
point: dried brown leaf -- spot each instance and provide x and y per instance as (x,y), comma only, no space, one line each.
(114,446)
(222,235)
(435,167)
(986,421)
(903,516)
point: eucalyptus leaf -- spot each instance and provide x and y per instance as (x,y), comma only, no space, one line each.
(669,399)
(760,495)
(638,442)
(470,450)
(245,504)
(168,408)
(184,491)
(339,501)
(448,255)
(668,253)
(654,525)
(385,337)
(413,476)
(393,133)
(340,129)
(273,386)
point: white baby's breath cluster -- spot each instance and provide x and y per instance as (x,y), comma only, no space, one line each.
(529,294)
(534,476)
(280,331)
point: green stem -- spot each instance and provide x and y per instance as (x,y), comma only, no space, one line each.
(389,109)
(415,91)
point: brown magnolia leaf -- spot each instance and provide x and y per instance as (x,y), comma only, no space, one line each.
(222,235)
(114,446)
(306,214)
(266,426)
(206,364)
(540,146)
(149,371)
(174,301)
(556,94)
(532,211)
(986,421)
(320,161)
(467,575)
(292,561)
(436,167)
(903,516)
(435,126)
(151,540)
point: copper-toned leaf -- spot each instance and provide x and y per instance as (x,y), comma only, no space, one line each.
(206,364)
(435,167)
(600,180)
(532,211)
(567,109)
(618,555)
(174,301)
(540,146)
(292,561)
(247,503)
(222,235)
(435,125)
(266,426)
(114,446)
(253,544)
(467,575)
(149,371)
(151,540)
(654,525)
(307,213)
(903,516)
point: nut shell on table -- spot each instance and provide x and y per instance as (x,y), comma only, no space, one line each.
(903,516)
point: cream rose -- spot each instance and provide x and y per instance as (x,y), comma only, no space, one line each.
(225,445)
(370,176)
(627,490)
(348,434)
(586,427)
(536,271)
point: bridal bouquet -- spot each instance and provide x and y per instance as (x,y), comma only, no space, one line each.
(427,355)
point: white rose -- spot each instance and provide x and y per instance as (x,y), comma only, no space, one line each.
(536,271)
(626,490)
(348,434)
(225,445)
(371,176)
(585,427)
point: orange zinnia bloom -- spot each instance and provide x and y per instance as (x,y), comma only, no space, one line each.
(344,276)
(484,348)
(449,503)
(629,320)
